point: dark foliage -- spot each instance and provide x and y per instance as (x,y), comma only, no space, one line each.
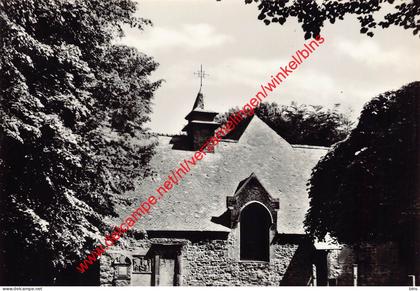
(72,111)
(303,124)
(312,14)
(364,189)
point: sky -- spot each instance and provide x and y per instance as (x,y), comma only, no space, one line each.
(239,53)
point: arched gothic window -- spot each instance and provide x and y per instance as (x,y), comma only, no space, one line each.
(255,222)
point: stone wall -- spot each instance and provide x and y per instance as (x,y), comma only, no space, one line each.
(108,276)
(215,262)
(340,266)
(208,263)
(382,264)
(377,265)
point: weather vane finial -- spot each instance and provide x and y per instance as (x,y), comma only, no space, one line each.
(202,75)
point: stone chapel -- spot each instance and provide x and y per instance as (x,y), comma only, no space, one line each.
(236,219)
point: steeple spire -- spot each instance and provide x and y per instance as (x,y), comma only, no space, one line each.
(199,101)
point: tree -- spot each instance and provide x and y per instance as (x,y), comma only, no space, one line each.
(303,124)
(364,189)
(312,14)
(72,136)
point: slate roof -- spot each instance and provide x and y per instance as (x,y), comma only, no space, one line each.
(283,170)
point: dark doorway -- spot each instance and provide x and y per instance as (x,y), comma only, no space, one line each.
(167,269)
(322,268)
(255,222)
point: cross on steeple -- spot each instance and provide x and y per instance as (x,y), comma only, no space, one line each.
(202,75)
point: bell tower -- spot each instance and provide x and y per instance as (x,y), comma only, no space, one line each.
(201,124)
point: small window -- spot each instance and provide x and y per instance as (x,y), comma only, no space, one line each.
(255,222)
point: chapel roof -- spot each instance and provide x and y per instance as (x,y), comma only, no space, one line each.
(283,169)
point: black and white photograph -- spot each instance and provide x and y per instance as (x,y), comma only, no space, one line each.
(209,143)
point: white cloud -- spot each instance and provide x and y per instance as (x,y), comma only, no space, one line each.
(246,70)
(371,53)
(188,36)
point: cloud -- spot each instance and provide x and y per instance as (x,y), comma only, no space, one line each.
(371,53)
(188,36)
(246,71)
